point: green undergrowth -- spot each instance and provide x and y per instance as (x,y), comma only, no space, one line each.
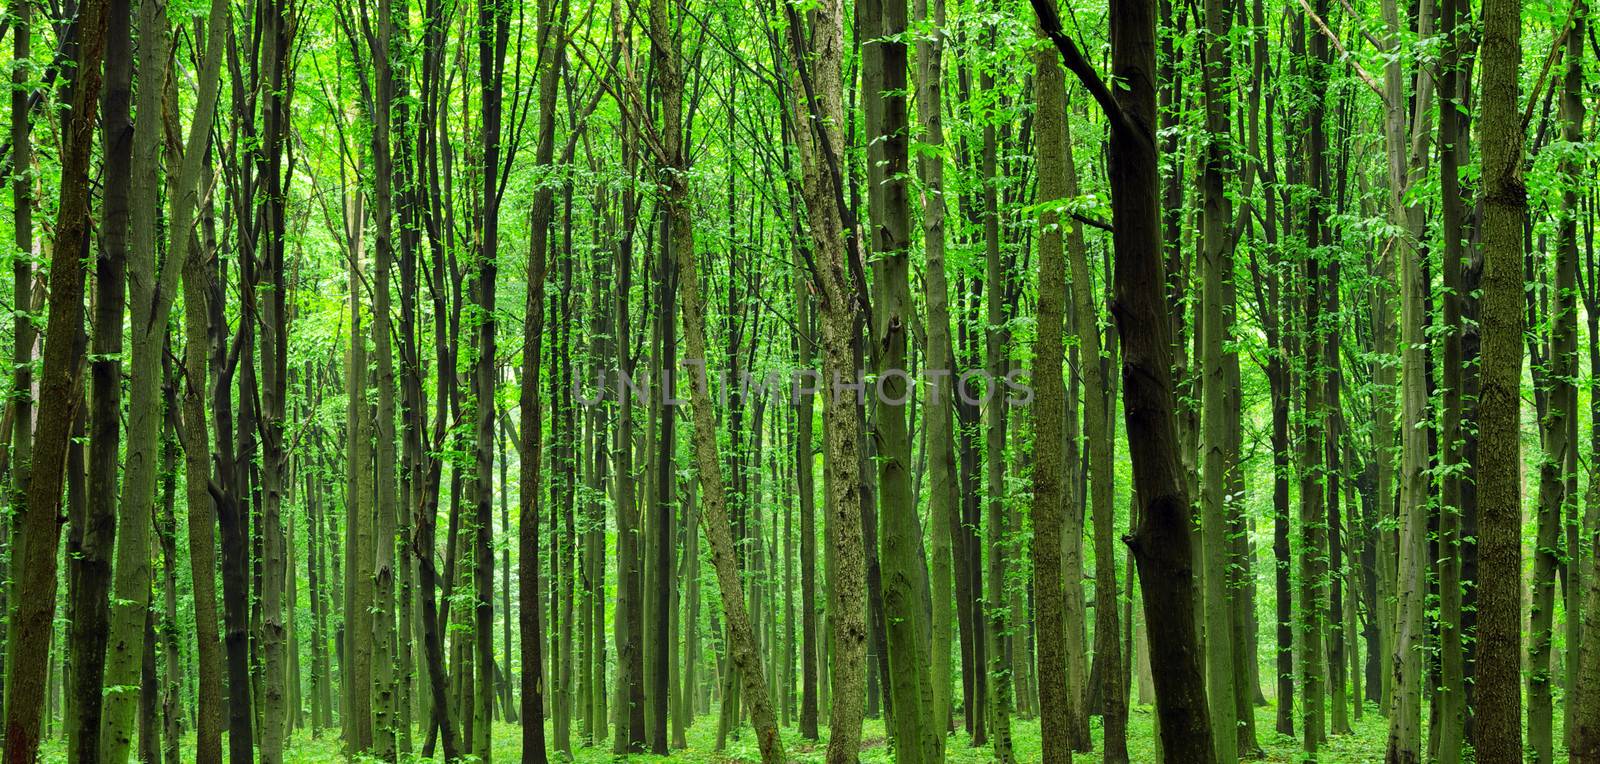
(1363,746)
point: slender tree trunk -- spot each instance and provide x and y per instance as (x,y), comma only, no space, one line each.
(1050,472)
(276,31)
(903,560)
(171,630)
(1585,732)
(35,554)
(23,334)
(838,275)
(1558,470)
(1217,216)
(940,438)
(548,69)
(1586,716)
(1499,702)
(358,526)
(805,482)
(197,272)
(1565,341)
(680,244)
(661,526)
(997,605)
(385,694)
(87,634)
(493,33)
(1452,147)
(1162,543)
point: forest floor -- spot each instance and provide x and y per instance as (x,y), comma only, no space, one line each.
(1365,746)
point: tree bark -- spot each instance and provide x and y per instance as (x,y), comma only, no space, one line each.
(903,560)
(1216,219)
(1050,490)
(1499,702)
(937,410)
(60,383)
(837,274)
(1162,542)
(90,565)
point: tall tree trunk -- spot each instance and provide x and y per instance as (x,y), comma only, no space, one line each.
(1498,471)
(996,602)
(426,509)
(385,695)
(171,630)
(1162,543)
(1099,433)
(90,565)
(1565,341)
(197,272)
(1216,218)
(838,275)
(493,38)
(277,29)
(1585,732)
(24,336)
(903,560)
(35,554)
(662,541)
(680,245)
(1558,470)
(548,70)
(937,409)
(358,523)
(1313,512)
(1050,472)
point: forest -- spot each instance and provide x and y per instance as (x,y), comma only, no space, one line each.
(1156,381)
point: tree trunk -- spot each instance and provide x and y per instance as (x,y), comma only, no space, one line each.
(23,334)
(1050,471)
(358,524)
(1499,702)
(1162,543)
(90,565)
(35,555)
(1217,216)
(903,560)
(197,271)
(838,276)
(172,694)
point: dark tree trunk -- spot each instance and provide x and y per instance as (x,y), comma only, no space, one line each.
(35,555)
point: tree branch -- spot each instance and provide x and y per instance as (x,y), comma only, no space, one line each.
(1344,53)
(1072,57)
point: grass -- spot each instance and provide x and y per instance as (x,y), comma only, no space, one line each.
(1364,746)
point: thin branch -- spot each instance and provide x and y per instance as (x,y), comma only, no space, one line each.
(1050,24)
(1344,53)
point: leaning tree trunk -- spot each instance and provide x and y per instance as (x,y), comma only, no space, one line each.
(742,649)
(35,556)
